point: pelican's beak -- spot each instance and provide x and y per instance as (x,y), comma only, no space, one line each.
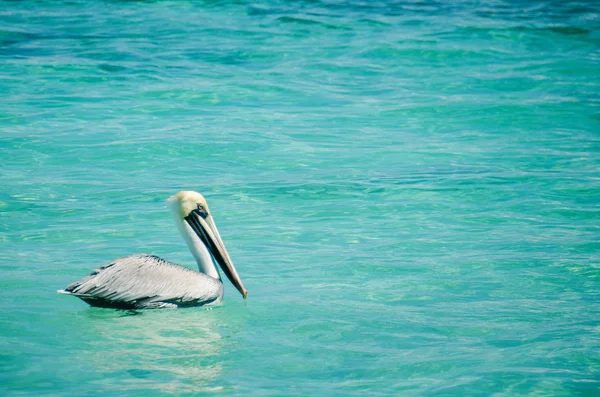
(203,225)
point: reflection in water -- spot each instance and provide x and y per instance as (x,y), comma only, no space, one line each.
(162,350)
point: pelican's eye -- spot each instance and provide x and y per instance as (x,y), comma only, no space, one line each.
(200,210)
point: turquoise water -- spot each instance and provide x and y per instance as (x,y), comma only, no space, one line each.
(410,192)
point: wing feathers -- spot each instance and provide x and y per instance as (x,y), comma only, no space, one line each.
(145,281)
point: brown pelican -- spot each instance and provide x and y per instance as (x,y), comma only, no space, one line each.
(144,281)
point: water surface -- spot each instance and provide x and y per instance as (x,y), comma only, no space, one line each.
(409,190)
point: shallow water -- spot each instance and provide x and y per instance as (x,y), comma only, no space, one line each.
(410,192)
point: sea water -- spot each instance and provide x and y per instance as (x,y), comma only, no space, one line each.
(410,192)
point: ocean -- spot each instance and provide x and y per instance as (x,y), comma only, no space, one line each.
(409,190)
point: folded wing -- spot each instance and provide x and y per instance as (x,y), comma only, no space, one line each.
(145,281)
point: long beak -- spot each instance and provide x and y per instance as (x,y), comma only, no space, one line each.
(207,231)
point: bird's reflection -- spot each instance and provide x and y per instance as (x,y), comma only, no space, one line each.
(166,350)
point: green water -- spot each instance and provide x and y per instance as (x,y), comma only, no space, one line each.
(410,192)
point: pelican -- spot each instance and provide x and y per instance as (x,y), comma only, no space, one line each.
(144,281)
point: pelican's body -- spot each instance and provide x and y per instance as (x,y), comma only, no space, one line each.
(144,281)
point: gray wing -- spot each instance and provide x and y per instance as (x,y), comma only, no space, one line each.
(145,281)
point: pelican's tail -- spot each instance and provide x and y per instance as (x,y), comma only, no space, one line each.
(65,292)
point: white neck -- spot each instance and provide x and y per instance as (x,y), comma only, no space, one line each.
(197,248)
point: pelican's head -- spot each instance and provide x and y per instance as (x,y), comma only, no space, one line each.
(191,208)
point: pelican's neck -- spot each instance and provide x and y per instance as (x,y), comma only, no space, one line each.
(197,248)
